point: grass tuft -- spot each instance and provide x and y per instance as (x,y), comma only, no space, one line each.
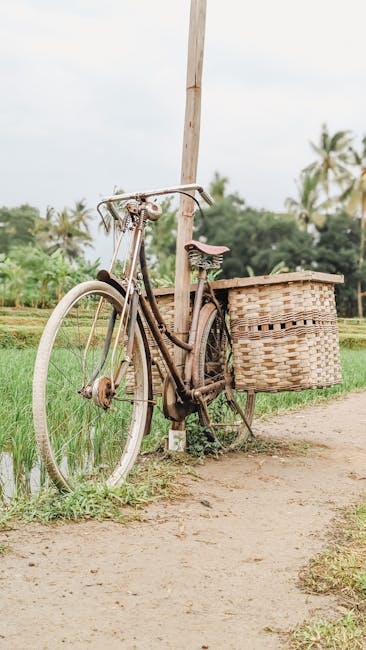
(339,570)
(4,549)
(278,446)
(345,633)
(147,482)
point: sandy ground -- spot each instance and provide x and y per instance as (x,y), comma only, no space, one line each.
(217,570)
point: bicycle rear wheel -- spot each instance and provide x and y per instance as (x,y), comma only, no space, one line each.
(78,438)
(224,413)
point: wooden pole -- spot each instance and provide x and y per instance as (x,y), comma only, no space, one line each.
(360,294)
(191,138)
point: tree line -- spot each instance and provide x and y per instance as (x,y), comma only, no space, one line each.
(321,228)
(42,257)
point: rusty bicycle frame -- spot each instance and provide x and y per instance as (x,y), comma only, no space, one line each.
(129,214)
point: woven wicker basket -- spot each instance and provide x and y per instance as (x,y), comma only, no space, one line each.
(284,331)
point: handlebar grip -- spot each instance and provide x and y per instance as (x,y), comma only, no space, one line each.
(207,197)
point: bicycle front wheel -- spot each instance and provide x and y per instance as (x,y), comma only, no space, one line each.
(85,430)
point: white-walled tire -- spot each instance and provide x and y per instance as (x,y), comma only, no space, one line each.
(76,438)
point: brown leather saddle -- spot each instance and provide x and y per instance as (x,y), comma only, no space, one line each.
(207,249)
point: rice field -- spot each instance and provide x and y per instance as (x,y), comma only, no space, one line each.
(19,465)
(20,470)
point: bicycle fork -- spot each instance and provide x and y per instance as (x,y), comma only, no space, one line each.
(102,389)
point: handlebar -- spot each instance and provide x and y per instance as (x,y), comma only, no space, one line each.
(116,198)
(167,190)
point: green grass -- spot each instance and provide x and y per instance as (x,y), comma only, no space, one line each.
(150,479)
(339,570)
(16,429)
(345,633)
(155,476)
(352,332)
(20,329)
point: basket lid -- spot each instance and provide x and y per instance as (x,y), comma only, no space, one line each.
(278,278)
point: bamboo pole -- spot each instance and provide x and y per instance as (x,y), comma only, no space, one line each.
(191,136)
(360,294)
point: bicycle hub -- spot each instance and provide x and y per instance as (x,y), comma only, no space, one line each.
(102,392)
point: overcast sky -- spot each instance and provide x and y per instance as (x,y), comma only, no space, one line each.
(93,93)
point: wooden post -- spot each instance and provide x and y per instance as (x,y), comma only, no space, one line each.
(188,175)
(362,240)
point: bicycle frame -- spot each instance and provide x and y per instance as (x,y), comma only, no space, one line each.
(130,285)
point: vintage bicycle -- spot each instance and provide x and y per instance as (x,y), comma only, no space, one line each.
(92,391)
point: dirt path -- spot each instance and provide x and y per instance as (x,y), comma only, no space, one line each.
(193,576)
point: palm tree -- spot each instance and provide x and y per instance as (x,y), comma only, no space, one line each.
(355,195)
(335,156)
(66,230)
(351,196)
(81,214)
(43,230)
(68,235)
(307,208)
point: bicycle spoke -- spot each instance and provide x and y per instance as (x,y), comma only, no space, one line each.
(77,434)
